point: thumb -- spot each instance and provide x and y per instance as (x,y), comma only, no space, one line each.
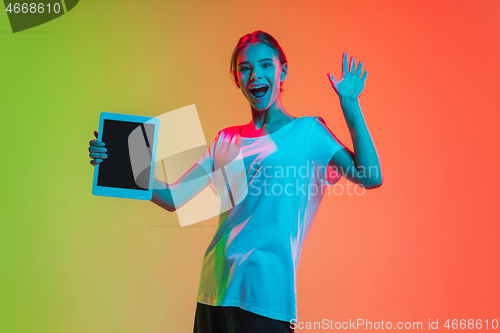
(95,134)
(331,77)
(333,81)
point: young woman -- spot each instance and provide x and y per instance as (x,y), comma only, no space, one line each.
(248,277)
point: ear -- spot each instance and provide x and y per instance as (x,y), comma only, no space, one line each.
(235,78)
(284,72)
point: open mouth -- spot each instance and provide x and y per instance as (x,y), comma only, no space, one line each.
(259,91)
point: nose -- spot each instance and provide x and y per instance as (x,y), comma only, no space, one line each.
(255,76)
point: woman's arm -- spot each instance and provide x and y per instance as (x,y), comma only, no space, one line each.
(173,196)
(363,166)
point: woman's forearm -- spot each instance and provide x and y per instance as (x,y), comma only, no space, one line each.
(365,155)
(162,196)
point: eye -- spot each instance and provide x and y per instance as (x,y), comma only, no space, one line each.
(242,69)
(266,65)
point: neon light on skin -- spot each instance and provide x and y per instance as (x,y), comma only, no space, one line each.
(259,64)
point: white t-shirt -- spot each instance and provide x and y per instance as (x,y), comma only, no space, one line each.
(266,211)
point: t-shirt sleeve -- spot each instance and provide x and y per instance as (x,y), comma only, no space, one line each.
(207,159)
(323,144)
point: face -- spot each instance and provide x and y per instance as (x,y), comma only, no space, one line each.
(260,74)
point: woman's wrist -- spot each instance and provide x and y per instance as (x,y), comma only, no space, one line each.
(349,102)
(352,111)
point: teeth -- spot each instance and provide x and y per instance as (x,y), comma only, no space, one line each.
(260,86)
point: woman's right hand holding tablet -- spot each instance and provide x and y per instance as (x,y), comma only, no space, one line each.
(97,151)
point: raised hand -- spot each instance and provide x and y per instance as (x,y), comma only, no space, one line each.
(351,83)
(97,150)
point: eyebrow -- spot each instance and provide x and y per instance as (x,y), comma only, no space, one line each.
(261,60)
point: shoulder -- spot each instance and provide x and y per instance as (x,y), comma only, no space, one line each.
(318,122)
(228,133)
(313,122)
(318,119)
(319,128)
(310,120)
(306,122)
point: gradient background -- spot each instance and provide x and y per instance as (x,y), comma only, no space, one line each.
(423,246)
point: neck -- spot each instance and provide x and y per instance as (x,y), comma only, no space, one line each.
(275,113)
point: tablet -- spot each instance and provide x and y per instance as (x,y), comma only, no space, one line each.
(131,143)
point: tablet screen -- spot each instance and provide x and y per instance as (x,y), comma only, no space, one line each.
(116,170)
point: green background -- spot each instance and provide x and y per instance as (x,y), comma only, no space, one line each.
(423,246)
(72,262)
